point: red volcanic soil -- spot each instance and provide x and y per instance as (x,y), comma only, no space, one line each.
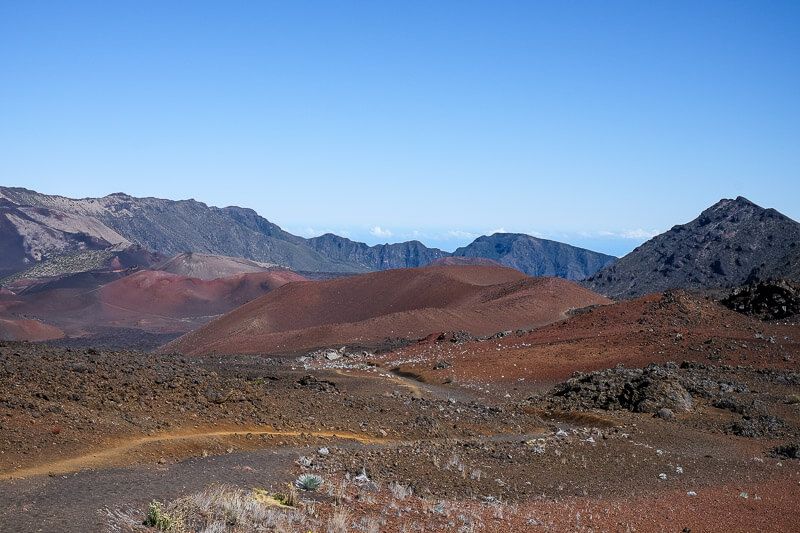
(27,329)
(149,300)
(406,303)
(657,328)
(162,293)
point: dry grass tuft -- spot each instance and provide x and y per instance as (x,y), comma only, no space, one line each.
(221,508)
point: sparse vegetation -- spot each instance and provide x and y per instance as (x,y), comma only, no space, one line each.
(339,522)
(221,508)
(60,265)
(308,482)
(290,498)
(158,518)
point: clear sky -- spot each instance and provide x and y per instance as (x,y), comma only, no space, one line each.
(596,123)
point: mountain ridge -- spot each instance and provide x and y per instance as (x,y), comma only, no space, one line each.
(171,227)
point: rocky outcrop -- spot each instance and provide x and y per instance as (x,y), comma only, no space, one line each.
(767,300)
(720,248)
(645,390)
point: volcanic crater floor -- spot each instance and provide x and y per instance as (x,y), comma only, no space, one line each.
(90,437)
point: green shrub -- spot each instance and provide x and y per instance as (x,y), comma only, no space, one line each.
(158,518)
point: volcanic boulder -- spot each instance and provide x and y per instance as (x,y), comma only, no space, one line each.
(767,300)
(639,390)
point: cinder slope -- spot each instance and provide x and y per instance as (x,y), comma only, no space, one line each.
(208,267)
(656,328)
(26,329)
(720,248)
(156,302)
(407,303)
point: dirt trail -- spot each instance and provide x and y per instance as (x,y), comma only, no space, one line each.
(118,453)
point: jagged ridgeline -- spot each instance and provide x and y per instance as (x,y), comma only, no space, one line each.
(36,227)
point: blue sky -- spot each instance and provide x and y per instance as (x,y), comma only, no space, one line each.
(596,123)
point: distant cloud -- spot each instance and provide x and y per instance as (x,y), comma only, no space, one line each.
(633,234)
(498,230)
(306,232)
(640,233)
(378,231)
(309,232)
(461,234)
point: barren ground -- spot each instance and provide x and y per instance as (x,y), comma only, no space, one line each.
(450,434)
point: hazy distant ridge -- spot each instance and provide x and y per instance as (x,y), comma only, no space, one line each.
(171,227)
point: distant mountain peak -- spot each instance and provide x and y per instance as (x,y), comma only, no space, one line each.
(721,247)
(536,256)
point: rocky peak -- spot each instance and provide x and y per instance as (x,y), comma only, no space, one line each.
(720,248)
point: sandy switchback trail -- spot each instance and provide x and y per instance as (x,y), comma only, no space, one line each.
(119,452)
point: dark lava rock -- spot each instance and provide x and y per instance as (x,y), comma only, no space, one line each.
(640,390)
(310,382)
(456,337)
(758,426)
(767,300)
(787,451)
(753,408)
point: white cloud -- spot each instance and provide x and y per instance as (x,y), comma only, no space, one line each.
(461,234)
(640,233)
(498,230)
(306,232)
(378,231)
(633,234)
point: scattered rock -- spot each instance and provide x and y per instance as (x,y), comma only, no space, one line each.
(332,355)
(665,414)
(456,337)
(310,382)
